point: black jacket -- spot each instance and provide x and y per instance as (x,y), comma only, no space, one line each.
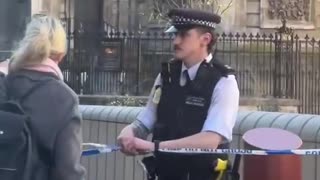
(55,120)
(182,111)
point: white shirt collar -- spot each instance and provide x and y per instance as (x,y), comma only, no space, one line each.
(192,71)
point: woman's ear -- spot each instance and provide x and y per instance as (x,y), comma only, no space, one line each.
(57,57)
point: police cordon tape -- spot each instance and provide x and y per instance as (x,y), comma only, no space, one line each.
(103,148)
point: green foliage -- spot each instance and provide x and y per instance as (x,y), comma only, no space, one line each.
(127,101)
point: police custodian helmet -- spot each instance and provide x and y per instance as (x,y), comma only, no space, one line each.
(189,18)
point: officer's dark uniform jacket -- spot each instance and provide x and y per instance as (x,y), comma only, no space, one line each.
(182,111)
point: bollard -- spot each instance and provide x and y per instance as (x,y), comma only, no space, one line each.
(273,167)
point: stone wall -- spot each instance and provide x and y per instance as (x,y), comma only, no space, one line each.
(123,13)
(13,17)
(302,15)
(246,103)
(261,16)
(102,124)
(244,15)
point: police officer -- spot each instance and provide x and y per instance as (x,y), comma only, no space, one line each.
(193,103)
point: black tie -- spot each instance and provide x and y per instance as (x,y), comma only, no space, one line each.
(186,74)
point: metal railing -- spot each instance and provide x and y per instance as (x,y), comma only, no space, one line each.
(267,65)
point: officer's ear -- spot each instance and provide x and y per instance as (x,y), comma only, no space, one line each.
(206,38)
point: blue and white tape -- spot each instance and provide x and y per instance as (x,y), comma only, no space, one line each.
(101,149)
(243,151)
(96,149)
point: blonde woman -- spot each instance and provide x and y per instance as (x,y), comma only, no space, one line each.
(52,105)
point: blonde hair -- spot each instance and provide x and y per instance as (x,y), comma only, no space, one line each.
(44,36)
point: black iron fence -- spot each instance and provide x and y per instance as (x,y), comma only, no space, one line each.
(267,65)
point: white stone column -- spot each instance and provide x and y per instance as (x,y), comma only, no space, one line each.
(317,14)
(36,6)
(234,18)
(51,7)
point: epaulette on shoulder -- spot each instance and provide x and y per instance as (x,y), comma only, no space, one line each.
(172,59)
(175,61)
(171,62)
(223,68)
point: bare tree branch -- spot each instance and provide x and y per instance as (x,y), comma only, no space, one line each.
(174,3)
(217,12)
(161,7)
(229,5)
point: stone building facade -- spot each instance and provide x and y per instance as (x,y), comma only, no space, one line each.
(243,16)
(302,15)
(98,15)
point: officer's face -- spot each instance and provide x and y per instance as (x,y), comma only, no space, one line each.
(187,43)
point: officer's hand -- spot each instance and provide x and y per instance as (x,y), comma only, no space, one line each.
(126,140)
(143,146)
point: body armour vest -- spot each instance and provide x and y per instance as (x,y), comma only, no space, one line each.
(182,111)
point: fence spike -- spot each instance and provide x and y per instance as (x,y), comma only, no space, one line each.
(271,36)
(155,34)
(307,37)
(237,35)
(264,36)
(124,34)
(258,36)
